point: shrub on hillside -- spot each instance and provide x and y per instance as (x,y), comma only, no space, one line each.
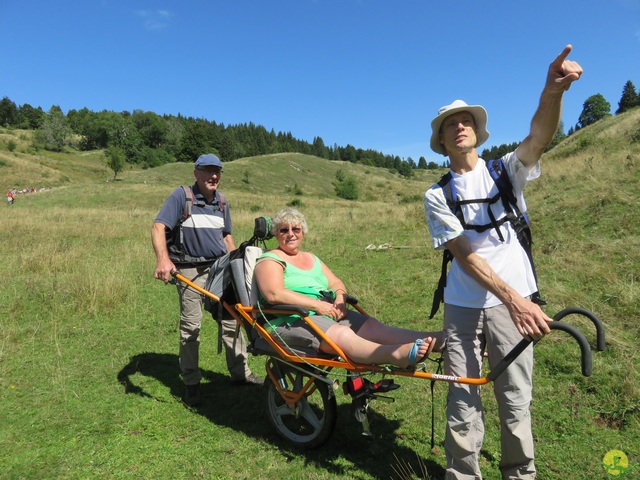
(347,189)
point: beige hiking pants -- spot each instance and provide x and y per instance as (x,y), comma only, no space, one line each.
(190,323)
(468,332)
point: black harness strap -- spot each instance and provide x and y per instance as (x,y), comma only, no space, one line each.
(438,294)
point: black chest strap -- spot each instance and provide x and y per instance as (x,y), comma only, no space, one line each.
(513,215)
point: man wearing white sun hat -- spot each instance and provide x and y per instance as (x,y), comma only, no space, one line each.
(490,291)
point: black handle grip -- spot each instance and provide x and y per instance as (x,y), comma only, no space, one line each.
(601,344)
(508,359)
(585,348)
(585,351)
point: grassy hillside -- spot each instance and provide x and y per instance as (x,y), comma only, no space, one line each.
(24,167)
(81,316)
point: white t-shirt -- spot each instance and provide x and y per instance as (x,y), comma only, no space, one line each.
(508,259)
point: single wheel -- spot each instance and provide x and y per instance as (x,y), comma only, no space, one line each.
(309,422)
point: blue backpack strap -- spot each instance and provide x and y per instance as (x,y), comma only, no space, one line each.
(499,175)
(448,189)
(451,196)
(503,182)
(519,221)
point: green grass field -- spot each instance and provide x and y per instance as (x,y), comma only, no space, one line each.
(89,377)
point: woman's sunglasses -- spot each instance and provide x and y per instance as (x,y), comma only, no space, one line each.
(294,230)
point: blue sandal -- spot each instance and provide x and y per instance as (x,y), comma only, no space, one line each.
(413,353)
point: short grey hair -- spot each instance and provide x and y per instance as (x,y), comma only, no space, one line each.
(288,216)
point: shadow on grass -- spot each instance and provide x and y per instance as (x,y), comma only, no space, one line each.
(381,456)
(163,367)
(241,408)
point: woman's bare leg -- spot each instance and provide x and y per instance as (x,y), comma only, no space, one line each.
(362,350)
(377,332)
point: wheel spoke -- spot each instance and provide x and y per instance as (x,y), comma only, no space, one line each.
(282,411)
(309,415)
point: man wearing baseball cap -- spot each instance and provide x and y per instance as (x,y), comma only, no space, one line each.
(190,246)
(490,285)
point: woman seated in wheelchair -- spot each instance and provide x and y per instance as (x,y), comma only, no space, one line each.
(289,275)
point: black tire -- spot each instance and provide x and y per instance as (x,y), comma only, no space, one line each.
(312,420)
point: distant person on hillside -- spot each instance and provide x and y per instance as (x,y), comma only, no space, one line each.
(10,197)
(190,247)
(490,290)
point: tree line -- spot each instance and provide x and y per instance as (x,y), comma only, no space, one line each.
(150,140)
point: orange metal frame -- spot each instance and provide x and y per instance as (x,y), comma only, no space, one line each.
(245,316)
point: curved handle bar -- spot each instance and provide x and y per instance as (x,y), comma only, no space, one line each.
(600,338)
(585,351)
(585,348)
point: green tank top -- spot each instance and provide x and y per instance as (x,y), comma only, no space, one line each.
(306,282)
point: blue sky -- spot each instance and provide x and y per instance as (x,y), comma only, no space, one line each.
(369,73)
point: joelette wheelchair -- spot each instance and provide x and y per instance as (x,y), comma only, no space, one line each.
(300,393)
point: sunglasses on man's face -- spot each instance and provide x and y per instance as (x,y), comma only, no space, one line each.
(294,230)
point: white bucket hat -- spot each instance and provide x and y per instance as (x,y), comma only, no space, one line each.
(479,115)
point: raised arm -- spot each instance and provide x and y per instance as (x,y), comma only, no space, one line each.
(562,73)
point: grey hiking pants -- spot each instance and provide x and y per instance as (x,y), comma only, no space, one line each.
(468,332)
(190,323)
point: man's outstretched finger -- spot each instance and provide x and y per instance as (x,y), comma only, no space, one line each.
(563,55)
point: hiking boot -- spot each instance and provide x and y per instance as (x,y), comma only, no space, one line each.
(250,380)
(192,395)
